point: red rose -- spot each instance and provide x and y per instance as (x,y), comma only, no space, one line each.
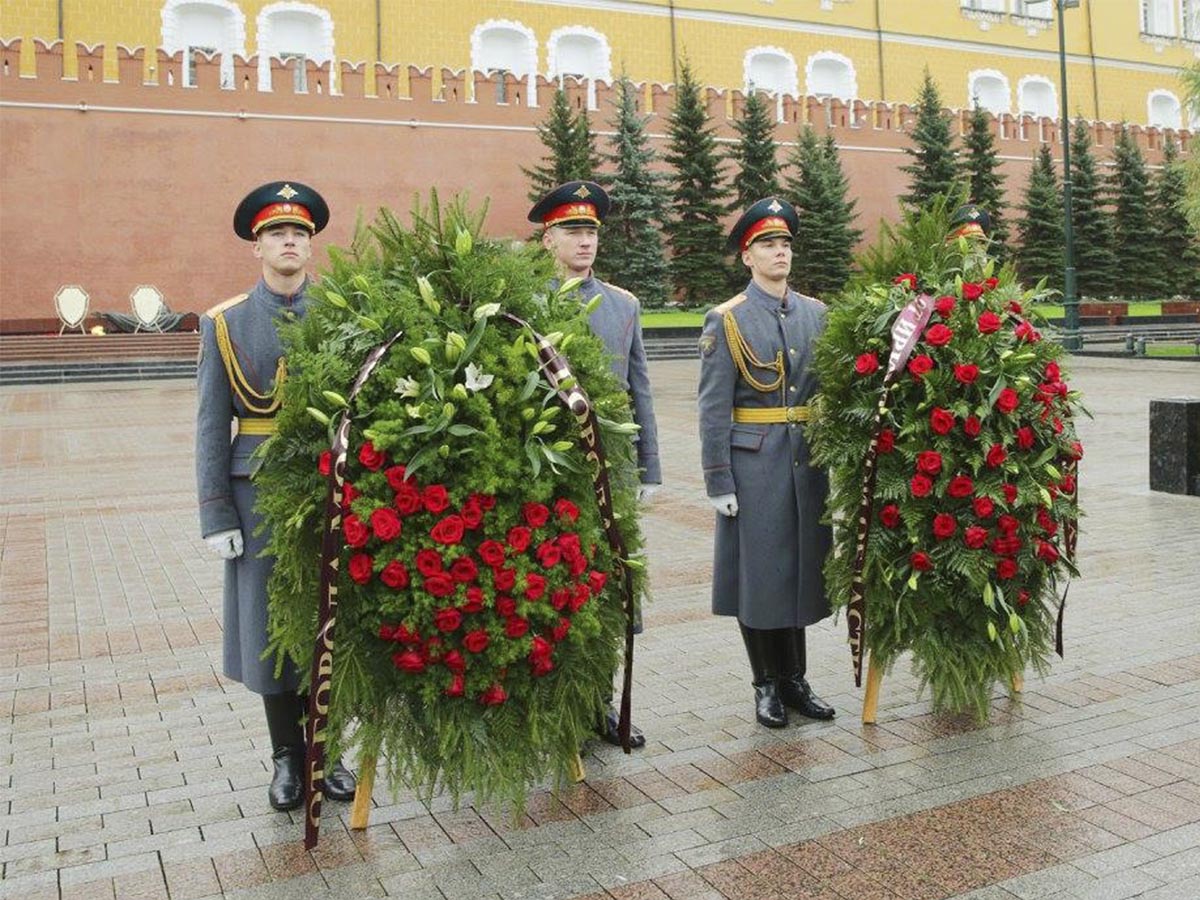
(395,477)
(565,509)
(1076,450)
(1053,373)
(971,290)
(960,486)
(536,514)
(394,575)
(941,420)
(596,581)
(472,514)
(866,364)
(535,586)
(1058,425)
(516,627)
(983,506)
(920,485)
(580,596)
(1022,598)
(975,537)
(568,543)
(989,284)
(1010,493)
(1024,437)
(887,441)
(487,501)
(966,373)
(562,628)
(385,523)
(361,568)
(476,641)
(988,322)
(457,686)
(439,585)
(370,457)
(1008,401)
(1008,524)
(449,530)
(1026,332)
(504,579)
(540,666)
(325,463)
(408,498)
(434,498)
(447,619)
(996,456)
(971,426)
(920,561)
(944,306)
(938,335)
(492,553)
(920,365)
(408,661)
(929,462)
(387,632)
(429,562)
(1046,522)
(518,538)
(1047,552)
(355,531)
(454,661)
(493,696)
(1067,484)
(560,598)
(890,515)
(474,602)
(944,526)
(549,554)
(349,494)
(1015,307)
(1006,568)
(464,569)
(908,280)
(505,606)
(402,634)
(539,646)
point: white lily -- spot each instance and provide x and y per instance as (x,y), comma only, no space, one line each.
(415,410)
(408,387)
(486,310)
(476,379)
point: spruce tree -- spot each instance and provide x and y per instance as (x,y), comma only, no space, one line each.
(1040,233)
(1190,199)
(697,238)
(587,159)
(1138,250)
(826,235)
(570,153)
(935,168)
(631,244)
(1179,241)
(986,182)
(1095,264)
(757,173)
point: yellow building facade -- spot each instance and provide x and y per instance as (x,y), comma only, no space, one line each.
(1123,56)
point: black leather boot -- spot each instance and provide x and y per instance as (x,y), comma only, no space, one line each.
(609,729)
(340,783)
(793,687)
(760,649)
(287,740)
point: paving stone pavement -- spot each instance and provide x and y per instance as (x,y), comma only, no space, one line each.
(129,768)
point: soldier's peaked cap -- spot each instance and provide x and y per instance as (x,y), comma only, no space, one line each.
(574,203)
(277,202)
(769,217)
(970,220)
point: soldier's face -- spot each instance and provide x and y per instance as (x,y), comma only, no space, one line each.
(574,248)
(284,249)
(769,257)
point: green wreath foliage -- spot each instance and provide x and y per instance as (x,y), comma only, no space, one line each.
(975,488)
(480,608)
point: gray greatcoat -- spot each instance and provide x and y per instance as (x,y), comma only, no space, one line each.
(768,558)
(224,468)
(617,322)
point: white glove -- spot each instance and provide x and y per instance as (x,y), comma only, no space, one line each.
(725,504)
(226,544)
(647,491)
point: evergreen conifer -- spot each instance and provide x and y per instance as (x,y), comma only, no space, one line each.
(757,172)
(1138,249)
(826,236)
(1095,264)
(1180,242)
(695,231)
(1040,232)
(986,182)
(935,168)
(570,151)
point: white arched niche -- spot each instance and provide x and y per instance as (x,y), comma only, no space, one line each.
(989,90)
(1163,110)
(829,74)
(1036,96)
(212,26)
(582,52)
(504,46)
(294,32)
(771,69)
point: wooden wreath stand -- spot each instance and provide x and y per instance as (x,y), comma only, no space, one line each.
(360,812)
(875,679)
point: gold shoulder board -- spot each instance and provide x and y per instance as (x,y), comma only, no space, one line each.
(729,304)
(228,304)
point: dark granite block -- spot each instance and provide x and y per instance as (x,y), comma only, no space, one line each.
(1175,445)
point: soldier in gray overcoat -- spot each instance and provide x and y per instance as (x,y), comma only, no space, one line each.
(570,217)
(770,545)
(240,374)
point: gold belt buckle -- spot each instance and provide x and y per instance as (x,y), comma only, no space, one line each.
(793,414)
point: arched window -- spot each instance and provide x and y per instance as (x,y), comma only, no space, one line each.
(1036,97)
(1163,110)
(500,46)
(582,52)
(294,32)
(211,26)
(830,75)
(988,89)
(771,69)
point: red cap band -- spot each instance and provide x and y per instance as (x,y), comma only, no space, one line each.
(282,212)
(769,225)
(585,211)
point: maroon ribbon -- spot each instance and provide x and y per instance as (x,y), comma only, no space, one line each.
(906,330)
(321,679)
(1070,536)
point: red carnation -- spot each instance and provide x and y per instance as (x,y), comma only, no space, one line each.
(887,441)
(539,646)
(562,628)
(941,420)
(1022,598)
(1025,437)
(920,485)
(476,641)
(536,514)
(560,598)
(385,523)
(1010,493)
(596,581)
(370,457)
(1008,524)
(434,498)
(408,661)
(454,661)
(492,553)
(447,619)
(908,280)
(408,498)
(1007,401)
(989,284)
(540,666)
(1046,522)
(355,531)
(866,364)
(457,686)
(395,477)
(394,575)
(975,537)
(1076,450)
(464,569)
(361,568)
(493,696)
(966,373)
(960,486)
(518,538)
(1067,484)
(938,335)
(996,456)
(972,290)
(920,365)
(439,585)
(971,426)
(535,586)
(1047,552)
(983,506)
(988,322)
(929,462)
(944,306)
(1006,568)
(429,562)
(579,597)
(516,627)
(565,509)
(504,579)
(1026,332)
(1053,372)
(474,602)
(449,530)
(325,463)
(920,561)
(890,515)
(944,526)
